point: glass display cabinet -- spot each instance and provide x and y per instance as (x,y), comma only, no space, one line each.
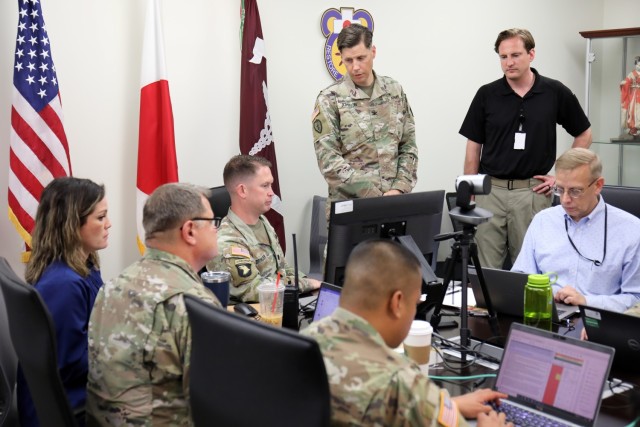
(612,101)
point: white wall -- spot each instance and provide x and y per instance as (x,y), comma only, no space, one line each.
(440,51)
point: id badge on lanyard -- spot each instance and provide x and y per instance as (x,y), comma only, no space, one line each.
(520,136)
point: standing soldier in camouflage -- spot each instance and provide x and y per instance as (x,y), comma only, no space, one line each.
(139,332)
(371,384)
(249,246)
(363,127)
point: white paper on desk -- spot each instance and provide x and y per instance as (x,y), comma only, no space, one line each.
(455,299)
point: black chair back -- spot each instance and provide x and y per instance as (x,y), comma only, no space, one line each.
(34,340)
(317,237)
(220,201)
(451,203)
(625,198)
(8,367)
(246,373)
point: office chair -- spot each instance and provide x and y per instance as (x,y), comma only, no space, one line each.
(220,201)
(625,198)
(34,340)
(317,237)
(8,367)
(246,373)
(451,203)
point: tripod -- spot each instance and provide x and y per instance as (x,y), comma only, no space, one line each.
(464,249)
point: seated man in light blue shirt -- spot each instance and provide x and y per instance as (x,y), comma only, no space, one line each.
(592,246)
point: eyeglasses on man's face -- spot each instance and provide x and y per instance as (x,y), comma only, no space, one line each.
(214,221)
(574,193)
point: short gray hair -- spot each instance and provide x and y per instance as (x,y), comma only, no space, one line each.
(576,157)
(170,205)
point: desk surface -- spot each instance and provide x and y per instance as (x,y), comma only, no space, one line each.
(614,411)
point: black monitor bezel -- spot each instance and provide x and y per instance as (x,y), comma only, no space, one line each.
(405,211)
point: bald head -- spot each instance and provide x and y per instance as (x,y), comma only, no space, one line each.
(375,269)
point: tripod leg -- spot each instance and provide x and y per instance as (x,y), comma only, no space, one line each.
(493,319)
(450,264)
(465,332)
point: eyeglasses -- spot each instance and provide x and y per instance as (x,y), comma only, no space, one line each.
(214,221)
(574,193)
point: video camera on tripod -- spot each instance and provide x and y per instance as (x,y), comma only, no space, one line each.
(466,211)
(464,249)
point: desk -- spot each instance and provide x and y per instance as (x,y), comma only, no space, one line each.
(614,411)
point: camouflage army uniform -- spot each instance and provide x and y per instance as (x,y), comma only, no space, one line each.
(250,262)
(365,146)
(140,344)
(634,311)
(372,384)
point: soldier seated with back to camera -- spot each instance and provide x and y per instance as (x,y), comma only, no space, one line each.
(371,384)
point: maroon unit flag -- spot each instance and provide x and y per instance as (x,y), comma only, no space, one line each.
(256,138)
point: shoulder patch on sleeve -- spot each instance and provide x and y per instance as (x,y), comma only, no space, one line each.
(448,414)
(316,111)
(243,269)
(239,251)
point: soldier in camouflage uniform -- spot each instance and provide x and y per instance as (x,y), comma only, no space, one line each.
(363,127)
(371,384)
(139,332)
(249,246)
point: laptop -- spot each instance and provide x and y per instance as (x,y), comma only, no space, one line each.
(618,330)
(327,302)
(506,289)
(552,376)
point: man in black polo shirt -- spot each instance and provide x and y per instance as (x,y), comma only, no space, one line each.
(511,135)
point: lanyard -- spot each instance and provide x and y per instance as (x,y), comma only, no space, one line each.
(604,254)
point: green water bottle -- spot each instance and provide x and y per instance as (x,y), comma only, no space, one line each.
(538,300)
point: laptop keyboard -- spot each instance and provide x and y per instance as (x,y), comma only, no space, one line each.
(521,417)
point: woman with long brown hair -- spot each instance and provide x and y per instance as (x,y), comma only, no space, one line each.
(71,226)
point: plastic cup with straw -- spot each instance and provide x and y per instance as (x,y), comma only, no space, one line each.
(275,297)
(271,302)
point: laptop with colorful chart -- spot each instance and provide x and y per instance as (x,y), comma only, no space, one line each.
(327,302)
(551,378)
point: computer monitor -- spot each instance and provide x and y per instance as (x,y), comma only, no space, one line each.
(411,219)
(417,215)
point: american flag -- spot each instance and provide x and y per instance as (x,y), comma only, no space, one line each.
(38,145)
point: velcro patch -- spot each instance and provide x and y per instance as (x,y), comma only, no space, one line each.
(243,269)
(239,251)
(448,414)
(315,113)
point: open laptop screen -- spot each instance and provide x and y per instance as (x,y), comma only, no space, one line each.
(555,374)
(328,299)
